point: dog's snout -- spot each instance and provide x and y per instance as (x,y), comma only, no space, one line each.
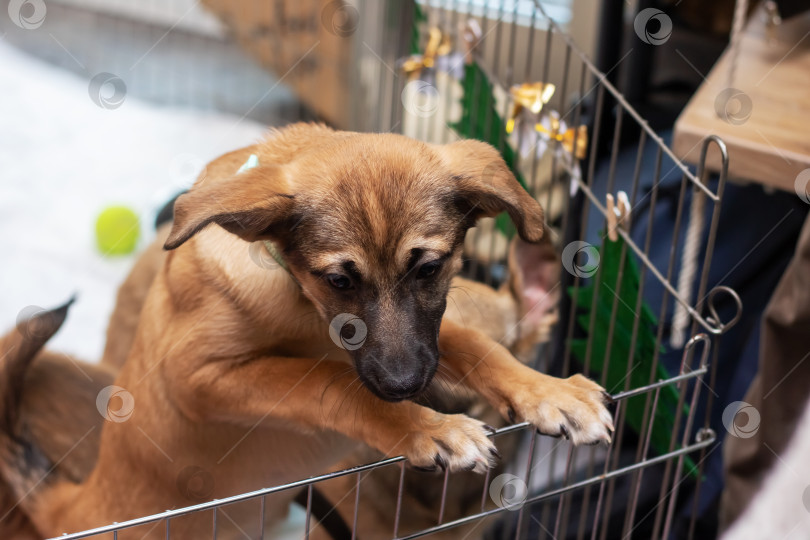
(394,377)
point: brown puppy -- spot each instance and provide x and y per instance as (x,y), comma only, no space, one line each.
(519,315)
(233,369)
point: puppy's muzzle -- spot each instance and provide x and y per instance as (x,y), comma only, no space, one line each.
(398,376)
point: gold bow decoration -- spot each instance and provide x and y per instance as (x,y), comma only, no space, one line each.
(438,45)
(531,96)
(567,138)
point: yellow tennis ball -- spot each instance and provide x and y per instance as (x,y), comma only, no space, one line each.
(117,230)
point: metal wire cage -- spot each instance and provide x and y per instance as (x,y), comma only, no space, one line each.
(551,489)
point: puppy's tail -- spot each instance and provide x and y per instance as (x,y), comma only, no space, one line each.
(24,466)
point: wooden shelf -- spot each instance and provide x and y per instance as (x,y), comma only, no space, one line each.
(772,145)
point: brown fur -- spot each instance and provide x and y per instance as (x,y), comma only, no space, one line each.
(129,301)
(232,368)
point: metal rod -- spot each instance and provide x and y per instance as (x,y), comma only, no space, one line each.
(566,477)
(527,479)
(678,378)
(598,509)
(684,388)
(703,173)
(400,49)
(530,182)
(444,496)
(673,496)
(309,512)
(261,517)
(399,499)
(707,425)
(614,310)
(585,187)
(449,98)
(620,426)
(593,148)
(484,491)
(636,488)
(500,127)
(664,300)
(611,484)
(356,507)
(721,183)
(382,71)
(478,54)
(564,276)
(547,56)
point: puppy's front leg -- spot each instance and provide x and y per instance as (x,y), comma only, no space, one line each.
(572,407)
(327,395)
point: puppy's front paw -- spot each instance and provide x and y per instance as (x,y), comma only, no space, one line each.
(453,442)
(573,408)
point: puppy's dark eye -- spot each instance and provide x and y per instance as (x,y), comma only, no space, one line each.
(428,269)
(338,281)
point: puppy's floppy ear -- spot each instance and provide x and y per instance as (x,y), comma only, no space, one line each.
(248,205)
(487,187)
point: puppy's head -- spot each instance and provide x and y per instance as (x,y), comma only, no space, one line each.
(372,228)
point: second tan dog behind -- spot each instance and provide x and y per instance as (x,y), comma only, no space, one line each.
(236,370)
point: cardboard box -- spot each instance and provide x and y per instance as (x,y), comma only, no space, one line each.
(306,43)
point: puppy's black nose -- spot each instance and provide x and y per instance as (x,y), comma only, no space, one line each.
(399,375)
(399,388)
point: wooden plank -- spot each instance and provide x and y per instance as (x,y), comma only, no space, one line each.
(767,127)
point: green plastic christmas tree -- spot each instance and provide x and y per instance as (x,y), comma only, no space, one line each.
(622,292)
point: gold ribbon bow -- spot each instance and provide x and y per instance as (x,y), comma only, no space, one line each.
(566,138)
(438,45)
(530,96)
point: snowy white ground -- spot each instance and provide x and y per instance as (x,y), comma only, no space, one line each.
(62,160)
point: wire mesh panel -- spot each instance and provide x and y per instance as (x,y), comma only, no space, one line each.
(634,309)
(587,142)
